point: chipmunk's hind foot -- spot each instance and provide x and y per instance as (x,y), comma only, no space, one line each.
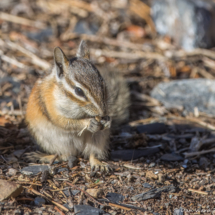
(97,165)
(40,157)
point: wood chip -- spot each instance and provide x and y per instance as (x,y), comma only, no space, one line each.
(198,191)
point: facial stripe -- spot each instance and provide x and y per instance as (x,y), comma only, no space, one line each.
(69,82)
(96,97)
(70,85)
(72,96)
(71,90)
(82,83)
(79,79)
(93,98)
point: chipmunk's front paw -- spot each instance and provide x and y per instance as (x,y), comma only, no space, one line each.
(106,122)
(94,126)
(97,165)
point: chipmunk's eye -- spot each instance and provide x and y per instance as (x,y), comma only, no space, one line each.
(79,92)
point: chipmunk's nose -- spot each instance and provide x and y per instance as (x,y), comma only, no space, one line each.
(106,118)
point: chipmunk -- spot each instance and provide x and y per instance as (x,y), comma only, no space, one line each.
(70,111)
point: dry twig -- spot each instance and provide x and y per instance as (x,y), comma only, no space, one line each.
(49,199)
(21,20)
(191,154)
(119,206)
(13,61)
(198,191)
(34,59)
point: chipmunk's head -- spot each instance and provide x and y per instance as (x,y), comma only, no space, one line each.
(82,88)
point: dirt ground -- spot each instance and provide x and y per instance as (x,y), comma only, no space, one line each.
(156,169)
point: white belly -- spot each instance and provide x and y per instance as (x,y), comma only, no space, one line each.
(55,140)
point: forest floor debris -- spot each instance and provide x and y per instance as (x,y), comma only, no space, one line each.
(166,154)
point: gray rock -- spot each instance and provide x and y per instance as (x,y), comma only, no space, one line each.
(203,162)
(87,210)
(147,185)
(83,27)
(68,206)
(130,154)
(188,22)
(34,170)
(115,197)
(72,161)
(11,172)
(152,165)
(171,157)
(73,192)
(18,153)
(194,161)
(154,193)
(38,201)
(153,128)
(189,93)
(39,210)
(62,170)
(178,212)
(44,176)
(184,166)
(40,36)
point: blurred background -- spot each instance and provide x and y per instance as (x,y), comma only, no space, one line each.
(148,41)
(120,33)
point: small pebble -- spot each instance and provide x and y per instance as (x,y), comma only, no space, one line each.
(178,212)
(73,192)
(38,201)
(186,161)
(68,206)
(82,164)
(34,170)
(72,161)
(166,204)
(62,170)
(151,164)
(184,166)
(44,175)
(194,161)
(11,172)
(147,185)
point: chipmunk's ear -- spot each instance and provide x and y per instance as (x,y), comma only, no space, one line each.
(61,62)
(83,50)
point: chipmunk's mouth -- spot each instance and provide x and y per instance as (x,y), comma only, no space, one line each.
(106,118)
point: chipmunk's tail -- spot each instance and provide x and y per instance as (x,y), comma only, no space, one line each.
(118,96)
